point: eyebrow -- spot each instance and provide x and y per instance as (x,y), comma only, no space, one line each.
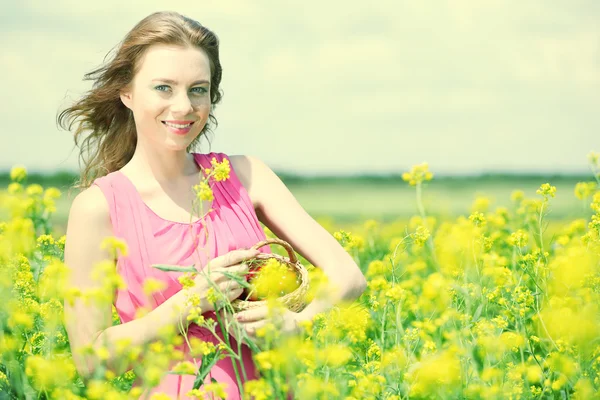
(172,82)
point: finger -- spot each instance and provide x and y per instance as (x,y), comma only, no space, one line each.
(217,275)
(229,285)
(252,327)
(254,314)
(239,269)
(236,257)
(233,293)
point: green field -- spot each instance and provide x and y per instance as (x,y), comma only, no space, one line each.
(345,201)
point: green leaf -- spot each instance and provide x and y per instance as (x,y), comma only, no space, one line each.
(207,363)
(478,312)
(180,268)
(240,279)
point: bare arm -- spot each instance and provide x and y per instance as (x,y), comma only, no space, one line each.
(91,324)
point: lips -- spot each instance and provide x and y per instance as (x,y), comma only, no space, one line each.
(179,122)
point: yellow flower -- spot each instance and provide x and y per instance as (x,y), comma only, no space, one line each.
(512,341)
(18,236)
(518,238)
(274,279)
(334,355)
(201,348)
(53,280)
(14,188)
(517,195)
(267,360)
(20,319)
(534,374)
(366,385)
(420,236)
(187,280)
(209,390)
(193,299)
(160,396)
(52,193)
(477,219)
(584,390)
(45,240)
(18,173)
(185,368)
(196,316)
(153,285)
(115,246)
(312,387)
(437,373)
(343,237)
(374,351)
(211,295)
(395,293)
(258,389)
(102,353)
(481,204)
(394,359)
(546,190)
(152,375)
(203,191)
(220,170)
(583,190)
(377,267)
(34,189)
(418,174)
(49,373)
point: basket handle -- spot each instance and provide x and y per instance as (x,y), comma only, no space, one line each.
(286,245)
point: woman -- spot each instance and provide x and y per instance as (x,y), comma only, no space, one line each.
(149,107)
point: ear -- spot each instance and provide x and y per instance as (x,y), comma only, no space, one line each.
(126,98)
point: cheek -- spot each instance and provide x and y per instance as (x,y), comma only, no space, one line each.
(150,110)
(203,106)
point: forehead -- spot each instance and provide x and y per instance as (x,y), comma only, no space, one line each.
(173,62)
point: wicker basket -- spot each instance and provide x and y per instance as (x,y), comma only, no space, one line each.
(293,301)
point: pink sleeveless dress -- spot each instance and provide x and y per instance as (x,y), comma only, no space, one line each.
(153,240)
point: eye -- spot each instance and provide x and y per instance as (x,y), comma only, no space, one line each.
(201,90)
(161,86)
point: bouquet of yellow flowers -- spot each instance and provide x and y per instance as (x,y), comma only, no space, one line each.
(274,276)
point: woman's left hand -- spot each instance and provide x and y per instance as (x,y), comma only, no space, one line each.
(252,320)
(285,321)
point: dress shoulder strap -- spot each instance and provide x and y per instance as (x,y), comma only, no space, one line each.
(128,216)
(106,184)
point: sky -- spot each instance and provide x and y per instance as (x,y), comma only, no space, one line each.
(337,87)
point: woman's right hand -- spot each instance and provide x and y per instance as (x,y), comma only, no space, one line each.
(233,263)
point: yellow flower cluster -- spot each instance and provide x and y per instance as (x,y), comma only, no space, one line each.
(220,171)
(418,174)
(547,190)
(499,304)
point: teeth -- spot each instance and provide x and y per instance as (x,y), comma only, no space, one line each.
(177,125)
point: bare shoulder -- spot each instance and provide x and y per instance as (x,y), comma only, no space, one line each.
(89,212)
(90,203)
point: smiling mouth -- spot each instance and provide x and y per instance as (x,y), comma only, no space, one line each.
(178,126)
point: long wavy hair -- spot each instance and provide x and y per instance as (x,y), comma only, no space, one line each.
(112,135)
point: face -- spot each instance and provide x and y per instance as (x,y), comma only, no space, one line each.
(170,96)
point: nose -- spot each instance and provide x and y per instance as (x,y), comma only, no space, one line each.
(182,105)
